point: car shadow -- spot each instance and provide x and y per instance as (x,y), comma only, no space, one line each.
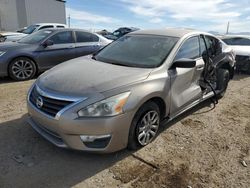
(27,160)
(6,80)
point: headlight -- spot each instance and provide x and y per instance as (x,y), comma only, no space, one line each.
(2,38)
(108,107)
(1,53)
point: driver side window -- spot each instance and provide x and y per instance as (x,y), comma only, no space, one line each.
(64,37)
(189,49)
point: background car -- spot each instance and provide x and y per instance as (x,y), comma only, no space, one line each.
(14,36)
(37,27)
(104,32)
(44,49)
(120,32)
(10,36)
(241,45)
(118,98)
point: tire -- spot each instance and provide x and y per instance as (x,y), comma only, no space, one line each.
(22,68)
(141,133)
(248,70)
(223,78)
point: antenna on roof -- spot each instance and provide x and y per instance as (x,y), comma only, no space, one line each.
(69,21)
(228,23)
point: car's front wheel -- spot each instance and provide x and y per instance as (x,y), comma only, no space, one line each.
(144,126)
(22,68)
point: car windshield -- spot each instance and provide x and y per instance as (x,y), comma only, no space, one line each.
(35,37)
(117,33)
(146,51)
(237,41)
(30,29)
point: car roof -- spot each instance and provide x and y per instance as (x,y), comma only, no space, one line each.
(41,24)
(173,32)
(65,29)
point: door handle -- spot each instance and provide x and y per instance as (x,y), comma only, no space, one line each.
(70,47)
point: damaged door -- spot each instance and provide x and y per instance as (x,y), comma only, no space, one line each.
(185,87)
(211,51)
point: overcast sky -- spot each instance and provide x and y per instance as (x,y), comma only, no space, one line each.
(207,15)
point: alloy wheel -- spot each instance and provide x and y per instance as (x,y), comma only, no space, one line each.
(22,69)
(148,128)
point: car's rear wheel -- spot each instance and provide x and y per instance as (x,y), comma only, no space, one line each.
(22,68)
(223,78)
(145,125)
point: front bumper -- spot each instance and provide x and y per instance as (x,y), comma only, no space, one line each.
(3,68)
(66,131)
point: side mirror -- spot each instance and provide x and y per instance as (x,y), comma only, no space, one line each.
(184,63)
(47,43)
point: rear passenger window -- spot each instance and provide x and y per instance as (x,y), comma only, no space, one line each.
(237,41)
(60,26)
(214,46)
(190,49)
(86,37)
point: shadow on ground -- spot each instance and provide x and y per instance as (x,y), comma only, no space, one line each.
(40,164)
(27,160)
(6,80)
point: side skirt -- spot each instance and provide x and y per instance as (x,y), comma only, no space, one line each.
(204,97)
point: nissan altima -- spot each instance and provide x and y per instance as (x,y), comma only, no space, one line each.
(118,97)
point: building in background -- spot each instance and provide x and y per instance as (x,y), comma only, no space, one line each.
(15,14)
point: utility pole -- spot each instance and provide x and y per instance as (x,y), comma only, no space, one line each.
(228,23)
(69,21)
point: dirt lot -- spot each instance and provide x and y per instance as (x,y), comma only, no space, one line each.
(203,148)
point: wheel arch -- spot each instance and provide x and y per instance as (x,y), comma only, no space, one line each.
(226,65)
(25,56)
(158,101)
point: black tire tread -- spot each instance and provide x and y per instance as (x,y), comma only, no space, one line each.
(27,59)
(223,78)
(133,144)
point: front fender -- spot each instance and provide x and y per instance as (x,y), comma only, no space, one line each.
(143,91)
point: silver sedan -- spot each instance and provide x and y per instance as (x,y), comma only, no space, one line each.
(118,97)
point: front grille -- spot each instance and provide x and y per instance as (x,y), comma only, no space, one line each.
(50,106)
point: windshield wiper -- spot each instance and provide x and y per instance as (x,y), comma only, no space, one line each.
(121,64)
(115,62)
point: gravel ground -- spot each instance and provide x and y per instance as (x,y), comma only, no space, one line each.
(205,147)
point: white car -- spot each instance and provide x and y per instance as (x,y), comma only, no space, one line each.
(14,36)
(10,36)
(241,45)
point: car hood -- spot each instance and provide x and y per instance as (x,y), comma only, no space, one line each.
(11,45)
(85,76)
(7,33)
(241,50)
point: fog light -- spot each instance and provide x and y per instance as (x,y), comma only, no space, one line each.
(91,138)
(98,142)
